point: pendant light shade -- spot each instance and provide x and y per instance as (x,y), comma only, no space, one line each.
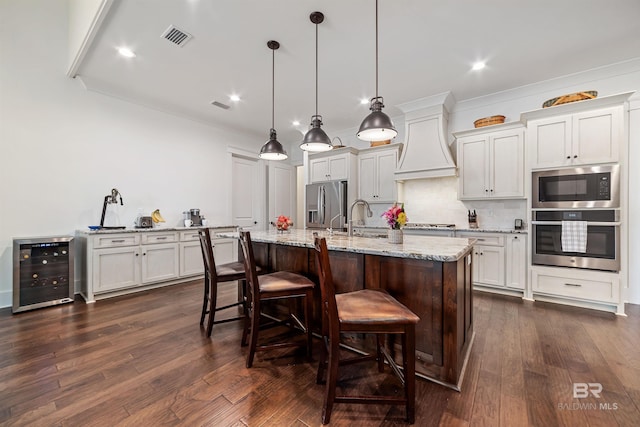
(377,126)
(272,149)
(316,139)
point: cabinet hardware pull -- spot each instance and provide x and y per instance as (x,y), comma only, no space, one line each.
(161,238)
(575,285)
(137,254)
(575,156)
(118,241)
(194,235)
(568,157)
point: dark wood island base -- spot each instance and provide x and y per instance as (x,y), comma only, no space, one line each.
(438,291)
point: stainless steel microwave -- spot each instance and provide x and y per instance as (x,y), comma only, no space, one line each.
(583,187)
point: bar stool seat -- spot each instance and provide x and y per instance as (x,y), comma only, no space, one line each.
(278,285)
(219,273)
(365,311)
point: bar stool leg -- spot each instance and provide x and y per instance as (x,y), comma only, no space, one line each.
(332,379)
(253,333)
(409,365)
(205,299)
(213,301)
(308,308)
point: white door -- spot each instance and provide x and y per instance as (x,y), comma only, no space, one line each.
(282,191)
(246,193)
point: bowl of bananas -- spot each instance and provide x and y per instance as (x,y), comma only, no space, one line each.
(158,220)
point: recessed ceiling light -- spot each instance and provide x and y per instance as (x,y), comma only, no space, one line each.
(126,52)
(234,98)
(478,66)
(364,101)
(295,123)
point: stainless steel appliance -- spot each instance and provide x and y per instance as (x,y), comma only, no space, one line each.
(584,187)
(43,269)
(603,239)
(326,205)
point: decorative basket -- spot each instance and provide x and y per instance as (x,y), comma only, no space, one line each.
(377,143)
(488,121)
(572,97)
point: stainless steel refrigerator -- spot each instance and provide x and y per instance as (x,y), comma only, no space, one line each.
(326,205)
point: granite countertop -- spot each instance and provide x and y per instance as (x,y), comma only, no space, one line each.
(155,229)
(444,249)
(418,226)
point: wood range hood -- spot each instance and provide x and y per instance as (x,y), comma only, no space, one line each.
(426,151)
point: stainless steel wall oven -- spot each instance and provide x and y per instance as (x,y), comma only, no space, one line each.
(602,239)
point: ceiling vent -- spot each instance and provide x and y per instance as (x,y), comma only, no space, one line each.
(220,104)
(176,36)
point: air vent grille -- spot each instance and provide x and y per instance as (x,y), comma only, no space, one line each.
(220,104)
(176,36)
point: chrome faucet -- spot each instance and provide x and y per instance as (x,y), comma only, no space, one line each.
(350,219)
(330,229)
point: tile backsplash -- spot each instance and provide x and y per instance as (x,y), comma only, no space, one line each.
(435,200)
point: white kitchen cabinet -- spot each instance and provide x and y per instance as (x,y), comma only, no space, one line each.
(488,265)
(224,250)
(573,286)
(332,165)
(499,261)
(160,262)
(376,173)
(516,264)
(115,268)
(491,163)
(587,137)
(117,263)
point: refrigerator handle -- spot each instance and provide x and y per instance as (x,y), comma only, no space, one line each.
(320,219)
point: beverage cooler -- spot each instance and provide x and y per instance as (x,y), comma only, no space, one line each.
(42,272)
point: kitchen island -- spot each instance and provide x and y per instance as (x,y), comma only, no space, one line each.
(430,275)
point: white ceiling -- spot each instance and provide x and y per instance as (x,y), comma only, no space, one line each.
(426,47)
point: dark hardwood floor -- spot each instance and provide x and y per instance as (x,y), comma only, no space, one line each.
(143,360)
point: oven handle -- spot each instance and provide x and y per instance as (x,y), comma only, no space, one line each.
(606,224)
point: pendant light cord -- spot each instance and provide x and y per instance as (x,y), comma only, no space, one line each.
(316,69)
(376,49)
(273,86)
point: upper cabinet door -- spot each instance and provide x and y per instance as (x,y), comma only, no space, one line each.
(550,141)
(506,154)
(588,137)
(474,167)
(376,174)
(367,176)
(319,170)
(596,136)
(491,163)
(387,162)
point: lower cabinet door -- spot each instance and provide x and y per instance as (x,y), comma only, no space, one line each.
(159,262)
(225,250)
(488,265)
(116,268)
(191,263)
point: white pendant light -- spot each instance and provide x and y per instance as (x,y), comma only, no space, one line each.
(316,139)
(272,149)
(377,126)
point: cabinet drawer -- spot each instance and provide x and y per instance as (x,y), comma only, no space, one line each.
(576,288)
(189,235)
(115,240)
(148,238)
(483,238)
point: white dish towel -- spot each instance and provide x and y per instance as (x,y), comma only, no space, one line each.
(574,236)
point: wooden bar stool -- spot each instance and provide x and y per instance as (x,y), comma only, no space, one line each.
(278,285)
(214,274)
(370,312)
